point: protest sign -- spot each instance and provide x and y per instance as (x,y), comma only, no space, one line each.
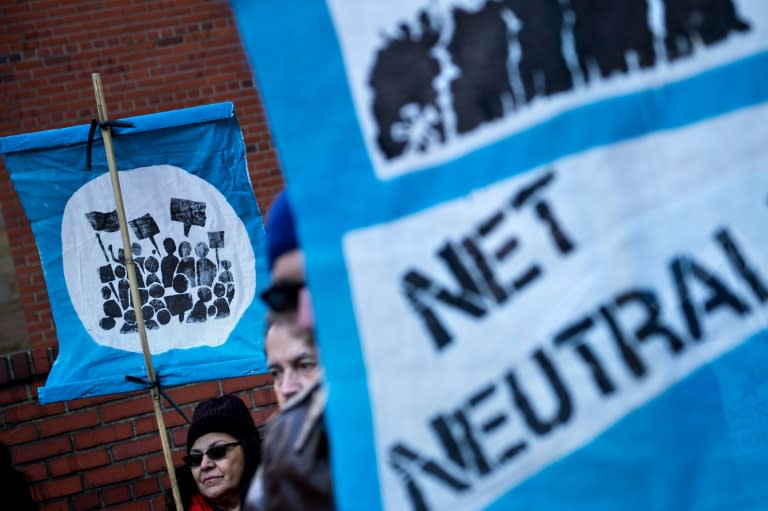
(534,235)
(197,242)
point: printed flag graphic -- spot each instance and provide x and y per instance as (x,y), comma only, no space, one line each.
(197,243)
(535,236)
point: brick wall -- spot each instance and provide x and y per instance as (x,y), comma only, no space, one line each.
(104,453)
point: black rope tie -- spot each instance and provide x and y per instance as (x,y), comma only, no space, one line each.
(92,134)
(156,385)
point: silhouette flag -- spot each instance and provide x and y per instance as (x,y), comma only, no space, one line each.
(168,187)
(188,212)
(103,222)
(216,241)
(145,227)
(528,288)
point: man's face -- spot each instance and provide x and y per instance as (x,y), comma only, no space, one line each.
(291,359)
(289,345)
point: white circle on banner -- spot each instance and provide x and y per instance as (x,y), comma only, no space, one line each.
(194,261)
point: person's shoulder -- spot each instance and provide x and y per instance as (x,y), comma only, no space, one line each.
(312,397)
(300,417)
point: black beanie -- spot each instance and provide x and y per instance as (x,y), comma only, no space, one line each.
(223,414)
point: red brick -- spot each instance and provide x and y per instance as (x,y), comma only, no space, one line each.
(86,502)
(264,396)
(158,502)
(114,474)
(41,361)
(40,450)
(13,394)
(179,437)
(103,435)
(21,365)
(60,505)
(196,392)
(69,422)
(156,462)
(28,411)
(35,472)
(171,419)
(115,495)
(58,487)
(5,371)
(135,448)
(19,434)
(146,487)
(130,408)
(234,385)
(76,463)
(142,505)
(262,415)
(89,402)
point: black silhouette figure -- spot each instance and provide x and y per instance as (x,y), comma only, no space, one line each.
(480,48)
(149,322)
(129,325)
(708,20)
(123,287)
(221,303)
(162,314)
(206,269)
(226,278)
(151,265)
(111,309)
(540,38)
(606,30)
(407,99)
(120,259)
(507,52)
(138,260)
(107,276)
(186,264)
(169,263)
(156,290)
(181,302)
(199,312)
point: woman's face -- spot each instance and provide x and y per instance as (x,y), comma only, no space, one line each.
(219,480)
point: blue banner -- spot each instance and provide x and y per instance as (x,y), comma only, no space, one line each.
(197,241)
(535,239)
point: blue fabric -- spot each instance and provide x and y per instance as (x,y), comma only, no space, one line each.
(168,204)
(643,207)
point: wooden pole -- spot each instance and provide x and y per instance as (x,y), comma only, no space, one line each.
(106,134)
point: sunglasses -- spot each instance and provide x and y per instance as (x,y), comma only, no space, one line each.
(282,296)
(215,453)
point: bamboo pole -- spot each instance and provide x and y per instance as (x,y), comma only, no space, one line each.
(106,134)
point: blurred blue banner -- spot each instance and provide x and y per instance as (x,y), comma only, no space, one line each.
(197,240)
(536,242)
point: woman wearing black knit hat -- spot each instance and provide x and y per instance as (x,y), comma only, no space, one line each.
(223,453)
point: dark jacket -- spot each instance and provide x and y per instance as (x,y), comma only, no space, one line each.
(295,471)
